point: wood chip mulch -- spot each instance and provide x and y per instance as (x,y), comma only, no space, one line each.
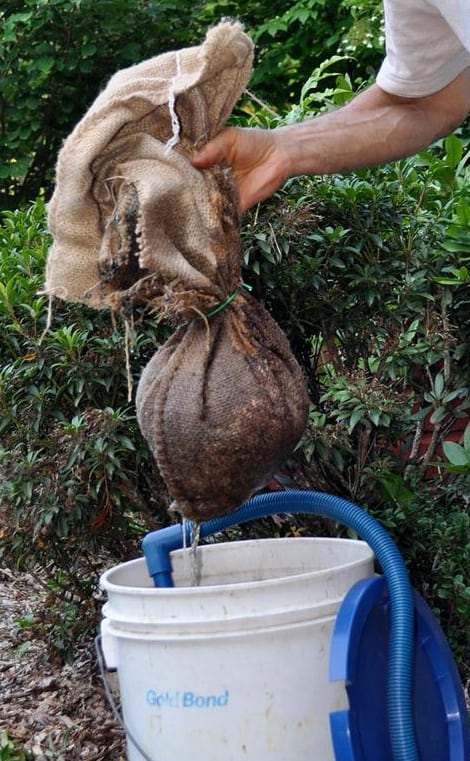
(52,710)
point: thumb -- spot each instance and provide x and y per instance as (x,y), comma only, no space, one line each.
(213,152)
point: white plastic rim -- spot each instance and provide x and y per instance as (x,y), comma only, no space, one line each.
(241,583)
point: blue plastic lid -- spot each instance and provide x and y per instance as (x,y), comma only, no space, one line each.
(359,657)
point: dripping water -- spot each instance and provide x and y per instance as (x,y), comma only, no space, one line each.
(195,556)
(186,567)
(191,557)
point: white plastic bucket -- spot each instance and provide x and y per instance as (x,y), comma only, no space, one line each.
(236,668)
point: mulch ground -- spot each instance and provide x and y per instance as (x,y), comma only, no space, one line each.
(52,710)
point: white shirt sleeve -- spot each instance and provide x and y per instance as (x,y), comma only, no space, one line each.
(427,45)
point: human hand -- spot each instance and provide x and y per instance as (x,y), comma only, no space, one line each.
(255,157)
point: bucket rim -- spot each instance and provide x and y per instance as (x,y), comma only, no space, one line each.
(222,628)
(192,591)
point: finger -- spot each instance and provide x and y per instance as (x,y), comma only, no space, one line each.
(220,148)
(212,153)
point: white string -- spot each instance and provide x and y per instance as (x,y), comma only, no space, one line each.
(175,122)
(48,318)
(128,339)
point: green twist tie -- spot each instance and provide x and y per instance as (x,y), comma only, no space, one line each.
(228,300)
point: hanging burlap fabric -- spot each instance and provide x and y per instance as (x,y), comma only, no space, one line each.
(223,402)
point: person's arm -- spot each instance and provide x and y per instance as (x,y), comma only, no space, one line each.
(374,128)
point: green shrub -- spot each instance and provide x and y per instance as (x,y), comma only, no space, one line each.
(431,525)
(76,476)
(293,39)
(55,57)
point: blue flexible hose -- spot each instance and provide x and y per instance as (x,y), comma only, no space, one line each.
(400,710)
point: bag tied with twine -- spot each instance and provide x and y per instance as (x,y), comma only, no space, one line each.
(223,401)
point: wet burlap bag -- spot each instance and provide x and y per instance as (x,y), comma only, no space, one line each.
(223,402)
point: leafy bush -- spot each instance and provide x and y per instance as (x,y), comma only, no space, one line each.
(76,476)
(295,40)
(431,524)
(55,57)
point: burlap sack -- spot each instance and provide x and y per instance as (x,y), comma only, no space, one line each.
(124,204)
(223,402)
(222,409)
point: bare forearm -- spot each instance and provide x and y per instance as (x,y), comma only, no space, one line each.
(373,129)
